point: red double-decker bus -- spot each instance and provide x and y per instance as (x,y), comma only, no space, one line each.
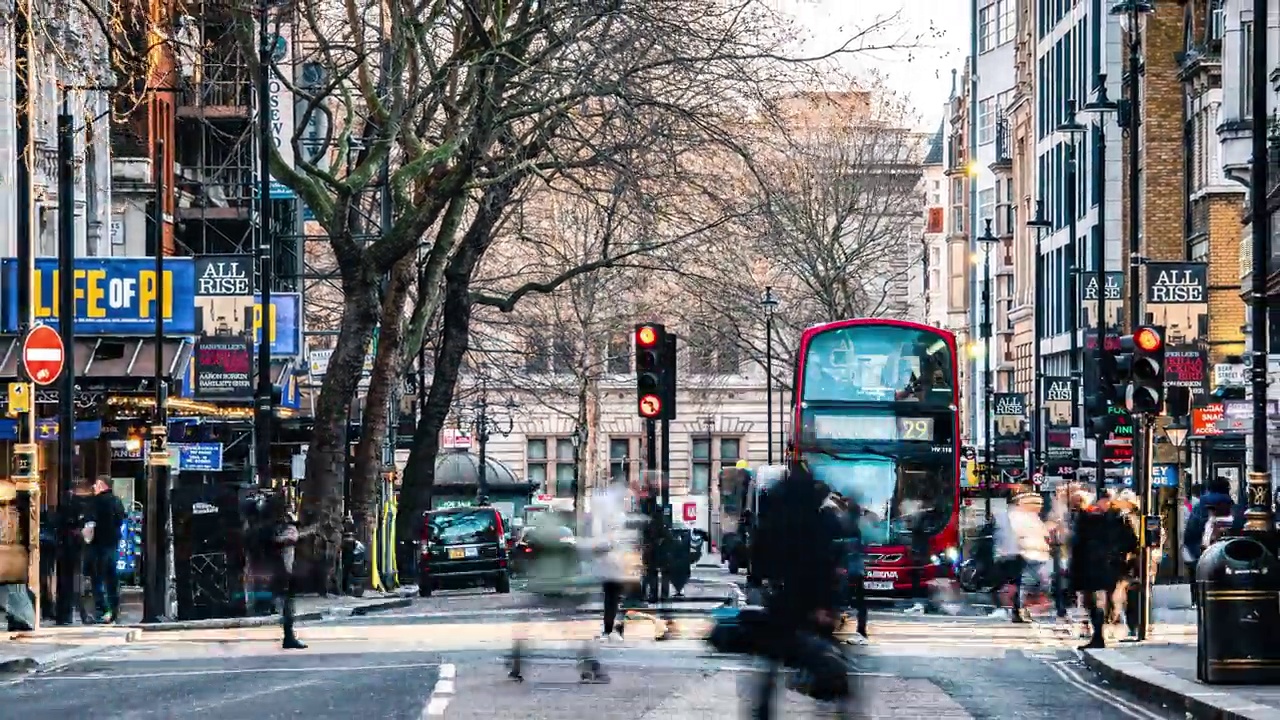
(877,419)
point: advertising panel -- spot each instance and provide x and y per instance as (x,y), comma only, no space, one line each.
(113,296)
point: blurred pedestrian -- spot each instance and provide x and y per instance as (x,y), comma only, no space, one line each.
(802,562)
(1100,540)
(277,534)
(613,549)
(1007,567)
(846,515)
(1033,549)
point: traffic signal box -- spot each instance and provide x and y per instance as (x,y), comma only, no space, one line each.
(655,372)
(1140,370)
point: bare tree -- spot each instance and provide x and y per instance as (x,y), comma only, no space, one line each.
(838,232)
(448,109)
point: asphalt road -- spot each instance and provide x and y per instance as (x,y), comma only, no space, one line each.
(444,657)
(406,665)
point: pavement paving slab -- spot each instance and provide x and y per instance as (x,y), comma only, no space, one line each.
(1166,671)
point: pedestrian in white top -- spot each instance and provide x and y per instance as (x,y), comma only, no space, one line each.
(613,548)
(1033,545)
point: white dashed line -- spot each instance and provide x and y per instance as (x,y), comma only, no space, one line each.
(444,691)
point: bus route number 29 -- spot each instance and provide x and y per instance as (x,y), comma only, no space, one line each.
(915,428)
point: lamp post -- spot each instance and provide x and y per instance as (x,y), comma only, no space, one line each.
(770,303)
(578,438)
(1132,15)
(1041,225)
(485,425)
(1099,106)
(710,422)
(1176,433)
(988,240)
(1071,130)
(1258,515)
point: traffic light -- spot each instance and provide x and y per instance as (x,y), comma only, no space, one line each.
(1143,354)
(1103,396)
(651,362)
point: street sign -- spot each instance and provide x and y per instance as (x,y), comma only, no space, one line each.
(19,398)
(650,406)
(42,354)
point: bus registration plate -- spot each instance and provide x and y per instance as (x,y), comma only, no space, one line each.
(883,585)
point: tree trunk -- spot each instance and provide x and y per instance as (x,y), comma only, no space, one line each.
(419,476)
(321,488)
(382,381)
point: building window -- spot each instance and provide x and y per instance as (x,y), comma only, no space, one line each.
(565,467)
(563,357)
(619,359)
(986,207)
(987,26)
(623,456)
(535,463)
(710,354)
(986,121)
(705,463)
(1006,21)
(1246,70)
(536,358)
(540,466)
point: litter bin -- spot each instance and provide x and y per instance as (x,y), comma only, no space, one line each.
(1238,618)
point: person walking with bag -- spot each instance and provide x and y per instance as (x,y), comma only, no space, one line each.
(277,537)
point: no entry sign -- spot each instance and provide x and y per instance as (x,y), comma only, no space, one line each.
(42,354)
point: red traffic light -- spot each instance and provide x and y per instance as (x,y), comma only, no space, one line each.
(646,336)
(650,406)
(1147,339)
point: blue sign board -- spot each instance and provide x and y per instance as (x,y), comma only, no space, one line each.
(199,457)
(113,296)
(47,430)
(285,324)
(1164,476)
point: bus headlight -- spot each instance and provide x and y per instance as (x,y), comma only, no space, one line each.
(952,553)
(936,559)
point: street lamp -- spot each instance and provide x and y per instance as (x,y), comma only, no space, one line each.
(1041,225)
(1072,130)
(1176,433)
(1133,15)
(710,422)
(578,438)
(1099,106)
(770,303)
(988,240)
(485,425)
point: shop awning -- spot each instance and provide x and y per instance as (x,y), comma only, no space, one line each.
(126,360)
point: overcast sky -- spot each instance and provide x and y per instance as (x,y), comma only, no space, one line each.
(923,75)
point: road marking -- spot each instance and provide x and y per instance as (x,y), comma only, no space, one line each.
(237,671)
(443,692)
(1073,678)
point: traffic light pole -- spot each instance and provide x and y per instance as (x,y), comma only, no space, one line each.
(1143,428)
(666,499)
(655,511)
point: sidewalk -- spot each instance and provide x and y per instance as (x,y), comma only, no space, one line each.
(29,651)
(306,608)
(1166,672)
(1163,669)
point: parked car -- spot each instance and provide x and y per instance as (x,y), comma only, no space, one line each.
(463,547)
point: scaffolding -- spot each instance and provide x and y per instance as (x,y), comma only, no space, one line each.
(217,145)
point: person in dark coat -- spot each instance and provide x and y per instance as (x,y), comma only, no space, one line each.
(801,561)
(276,534)
(1100,540)
(103,517)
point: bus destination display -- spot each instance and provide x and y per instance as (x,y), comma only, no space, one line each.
(872,428)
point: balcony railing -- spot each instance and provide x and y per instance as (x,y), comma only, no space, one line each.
(1004,142)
